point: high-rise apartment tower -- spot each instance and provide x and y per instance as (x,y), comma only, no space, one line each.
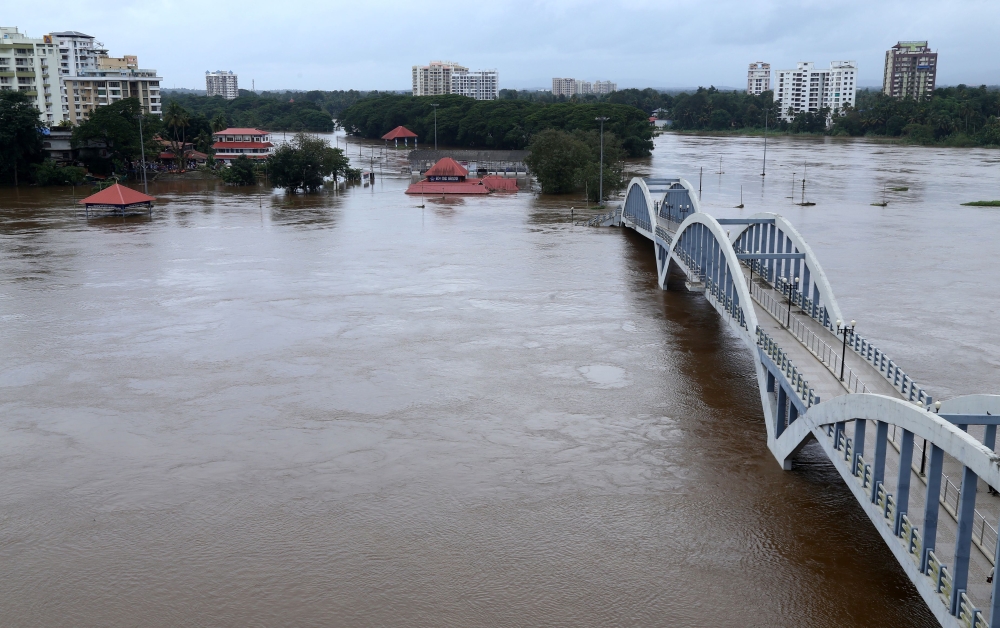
(910,70)
(806,89)
(221,83)
(758,78)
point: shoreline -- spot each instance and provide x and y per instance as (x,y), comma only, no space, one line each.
(876,139)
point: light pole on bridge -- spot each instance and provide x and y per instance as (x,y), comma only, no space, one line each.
(790,287)
(600,199)
(843,330)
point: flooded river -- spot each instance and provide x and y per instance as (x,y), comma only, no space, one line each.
(345,410)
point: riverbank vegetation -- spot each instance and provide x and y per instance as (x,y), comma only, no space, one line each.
(952,116)
(497,124)
(982,204)
(311,111)
(565,162)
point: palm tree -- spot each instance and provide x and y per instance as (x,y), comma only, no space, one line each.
(177,119)
(219,123)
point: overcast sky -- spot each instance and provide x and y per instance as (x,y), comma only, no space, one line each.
(315,44)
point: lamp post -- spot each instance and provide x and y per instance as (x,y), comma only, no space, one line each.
(142,151)
(435,125)
(843,330)
(600,200)
(791,286)
(763,168)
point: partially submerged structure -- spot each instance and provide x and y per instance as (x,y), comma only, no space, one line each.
(118,198)
(447,176)
(401,133)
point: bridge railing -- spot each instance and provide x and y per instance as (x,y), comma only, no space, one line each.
(824,352)
(798,383)
(858,343)
(908,534)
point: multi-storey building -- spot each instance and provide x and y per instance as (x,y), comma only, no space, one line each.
(113,79)
(571,87)
(481,84)
(604,87)
(563,86)
(758,78)
(910,70)
(806,89)
(221,83)
(30,66)
(234,142)
(434,78)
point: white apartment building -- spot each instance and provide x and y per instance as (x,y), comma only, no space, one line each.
(808,89)
(481,84)
(571,87)
(758,78)
(221,83)
(563,86)
(604,87)
(31,66)
(434,78)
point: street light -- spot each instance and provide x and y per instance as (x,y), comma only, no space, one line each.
(843,330)
(142,152)
(790,286)
(600,200)
(435,125)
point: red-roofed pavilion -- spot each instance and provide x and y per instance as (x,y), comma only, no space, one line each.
(401,133)
(118,197)
(448,176)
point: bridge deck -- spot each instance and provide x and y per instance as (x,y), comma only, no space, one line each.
(812,360)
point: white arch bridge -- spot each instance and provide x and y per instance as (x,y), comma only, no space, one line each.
(921,469)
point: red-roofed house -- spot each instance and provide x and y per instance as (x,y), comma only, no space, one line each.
(233,142)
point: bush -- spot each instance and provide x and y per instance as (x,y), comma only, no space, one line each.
(894,126)
(241,172)
(990,134)
(50,173)
(919,133)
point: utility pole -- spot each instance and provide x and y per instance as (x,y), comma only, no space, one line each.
(435,125)
(763,168)
(600,200)
(142,151)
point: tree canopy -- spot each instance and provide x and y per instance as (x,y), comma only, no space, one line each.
(20,141)
(304,162)
(291,111)
(566,161)
(116,127)
(499,124)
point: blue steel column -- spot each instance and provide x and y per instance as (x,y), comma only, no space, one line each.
(931,503)
(963,536)
(859,442)
(769,264)
(990,437)
(782,402)
(903,483)
(878,464)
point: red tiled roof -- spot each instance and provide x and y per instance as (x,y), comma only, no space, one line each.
(241,131)
(494,183)
(435,188)
(399,133)
(447,167)
(118,195)
(219,145)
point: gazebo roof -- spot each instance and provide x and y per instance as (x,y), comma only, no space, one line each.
(117,195)
(400,132)
(447,167)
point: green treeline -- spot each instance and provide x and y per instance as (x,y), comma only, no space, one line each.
(499,124)
(954,116)
(309,111)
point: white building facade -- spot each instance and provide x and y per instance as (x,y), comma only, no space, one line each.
(31,66)
(807,89)
(221,83)
(758,78)
(481,84)
(572,87)
(434,78)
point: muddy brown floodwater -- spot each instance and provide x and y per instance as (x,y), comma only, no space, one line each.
(254,410)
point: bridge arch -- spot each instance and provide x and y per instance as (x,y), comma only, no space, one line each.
(638,209)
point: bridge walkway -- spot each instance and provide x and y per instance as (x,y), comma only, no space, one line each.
(816,354)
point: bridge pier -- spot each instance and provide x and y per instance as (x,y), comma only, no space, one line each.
(878,464)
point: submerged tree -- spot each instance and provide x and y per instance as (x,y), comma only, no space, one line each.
(20,142)
(304,163)
(241,172)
